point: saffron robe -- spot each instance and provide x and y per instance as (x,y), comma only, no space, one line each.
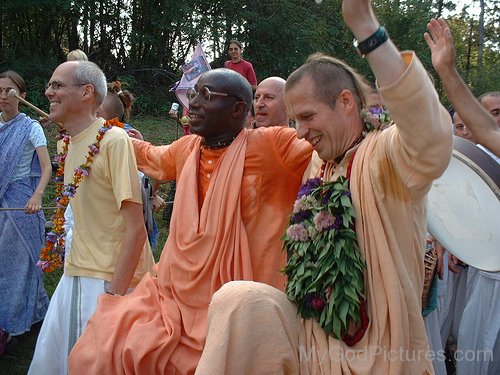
(231,208)
(254,329)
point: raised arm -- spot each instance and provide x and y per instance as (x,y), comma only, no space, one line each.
(385,61)
(420,145)
(482,125)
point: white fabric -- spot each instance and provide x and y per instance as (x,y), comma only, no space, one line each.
(37,136)
(452,304)
(433,323)
(478,347)
(69,223)
(436,345)
(495,157)
(72,304)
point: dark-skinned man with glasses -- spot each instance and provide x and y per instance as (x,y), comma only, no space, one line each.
(235,192)
(109,251)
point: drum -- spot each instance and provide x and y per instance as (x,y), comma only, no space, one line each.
(463,211)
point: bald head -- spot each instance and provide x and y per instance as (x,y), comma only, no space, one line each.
(218,105)
(111,107)
(268,103)
(230,82)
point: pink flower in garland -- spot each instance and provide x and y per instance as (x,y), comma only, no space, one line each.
(93,149)
(297,232)
(305,203)
(59,158)
(82,171)
(43,265)
(324,220)
(376,117)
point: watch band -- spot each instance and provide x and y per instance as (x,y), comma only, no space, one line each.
(374,41)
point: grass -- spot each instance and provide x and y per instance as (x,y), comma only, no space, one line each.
(156,131)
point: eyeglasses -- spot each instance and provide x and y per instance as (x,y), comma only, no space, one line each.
(205,94)
(56,85)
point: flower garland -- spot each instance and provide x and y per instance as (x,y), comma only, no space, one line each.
(325,267)
(52,255)
(375,117)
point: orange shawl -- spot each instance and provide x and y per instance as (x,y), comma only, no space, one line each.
(164,331)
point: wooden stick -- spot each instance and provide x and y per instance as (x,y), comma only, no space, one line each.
(43,208)
(13,93)
(22,208)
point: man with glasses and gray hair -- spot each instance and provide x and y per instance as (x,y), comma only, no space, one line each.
(235,191)
(109,251)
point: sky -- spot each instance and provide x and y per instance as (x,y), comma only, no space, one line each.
(473,9)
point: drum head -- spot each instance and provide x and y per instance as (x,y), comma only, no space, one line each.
(463,211)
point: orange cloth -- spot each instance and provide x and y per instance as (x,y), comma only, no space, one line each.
(255,329)
(232,234)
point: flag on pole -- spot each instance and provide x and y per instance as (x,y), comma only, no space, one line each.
(191,73)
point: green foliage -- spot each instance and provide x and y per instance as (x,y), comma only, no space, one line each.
(36,73)
(325,268)
(147,41)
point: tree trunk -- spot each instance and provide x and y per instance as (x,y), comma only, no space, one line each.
(469,50)
(480,46)
(440,8)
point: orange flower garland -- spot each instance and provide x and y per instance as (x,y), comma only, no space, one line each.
(52,255)
(115,122)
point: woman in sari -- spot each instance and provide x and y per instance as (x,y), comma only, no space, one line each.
(25,170)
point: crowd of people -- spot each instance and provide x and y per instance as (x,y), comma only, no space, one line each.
(280,184)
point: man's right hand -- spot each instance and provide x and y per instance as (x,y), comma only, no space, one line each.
(133,133)
(158,203)
(173,114)
(455,265)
